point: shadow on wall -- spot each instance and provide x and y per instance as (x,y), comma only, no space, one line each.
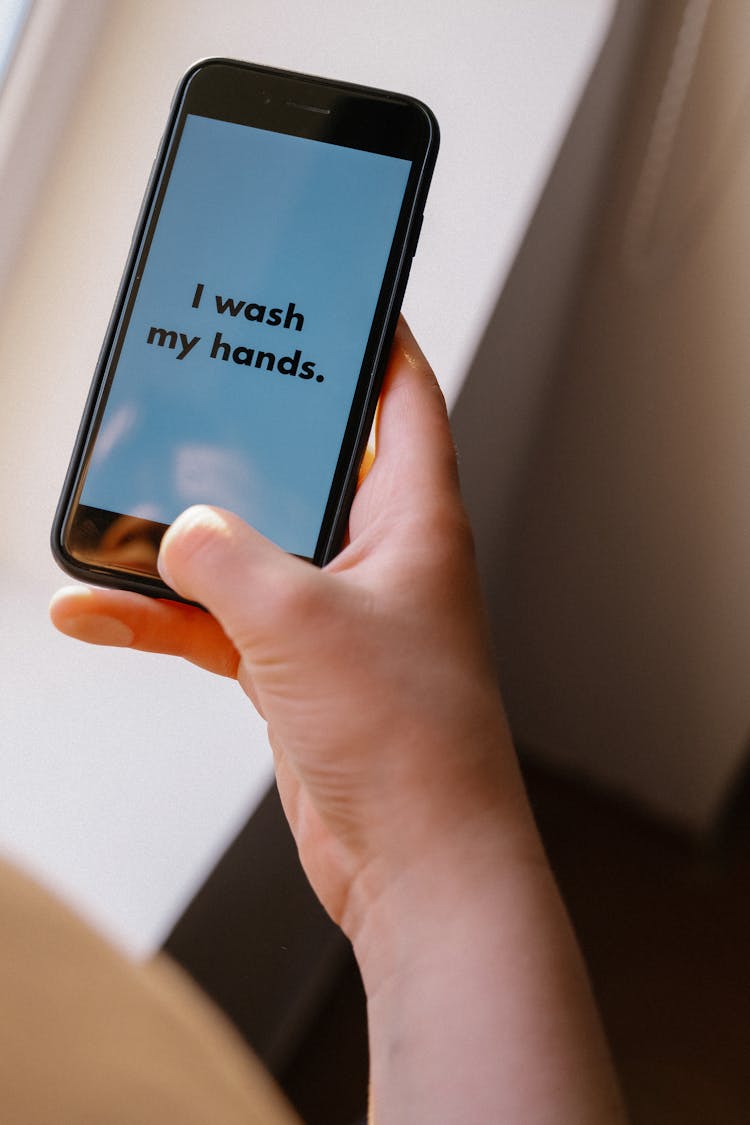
(604,428)
(499,412)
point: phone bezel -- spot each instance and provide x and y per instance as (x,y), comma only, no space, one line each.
(299,105)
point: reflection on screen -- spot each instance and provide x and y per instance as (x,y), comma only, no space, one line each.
(237,373)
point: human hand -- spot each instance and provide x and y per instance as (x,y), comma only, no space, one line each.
(373,674)
(397,775)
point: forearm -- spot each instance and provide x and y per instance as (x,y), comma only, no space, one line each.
(479,1006)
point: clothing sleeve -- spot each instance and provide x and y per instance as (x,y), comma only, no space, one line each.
(87,1036)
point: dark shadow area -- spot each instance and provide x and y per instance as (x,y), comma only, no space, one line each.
(503,401)
(327,1080)
(664,923)
(258,942)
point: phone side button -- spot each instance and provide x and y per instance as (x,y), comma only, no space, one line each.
(415,236)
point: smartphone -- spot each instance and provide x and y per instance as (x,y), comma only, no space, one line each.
(244,357)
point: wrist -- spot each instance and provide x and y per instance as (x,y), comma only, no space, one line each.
(479,1007)
(402,905)
(440,826)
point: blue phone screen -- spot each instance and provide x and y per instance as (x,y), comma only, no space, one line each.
(246,338)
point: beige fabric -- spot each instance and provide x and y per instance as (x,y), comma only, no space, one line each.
(88,1038)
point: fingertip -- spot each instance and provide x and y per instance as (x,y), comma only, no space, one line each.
(213,557)
(406,352)
(195,528)
(206,552)
(405,340)
(60,598)
(74,611)
(67,602)
(413,426)
(411,385)
(123,619)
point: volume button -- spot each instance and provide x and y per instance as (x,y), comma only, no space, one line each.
(143,207)
(417,232)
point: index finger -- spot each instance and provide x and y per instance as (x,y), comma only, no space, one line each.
(415,459)
(413,421)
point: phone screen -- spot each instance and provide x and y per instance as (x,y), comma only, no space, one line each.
(243,360)
(244,343)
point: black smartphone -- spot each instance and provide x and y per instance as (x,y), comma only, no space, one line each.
(246,350)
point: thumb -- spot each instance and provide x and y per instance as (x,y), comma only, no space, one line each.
(252,587)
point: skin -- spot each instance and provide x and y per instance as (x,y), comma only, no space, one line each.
(397,774)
